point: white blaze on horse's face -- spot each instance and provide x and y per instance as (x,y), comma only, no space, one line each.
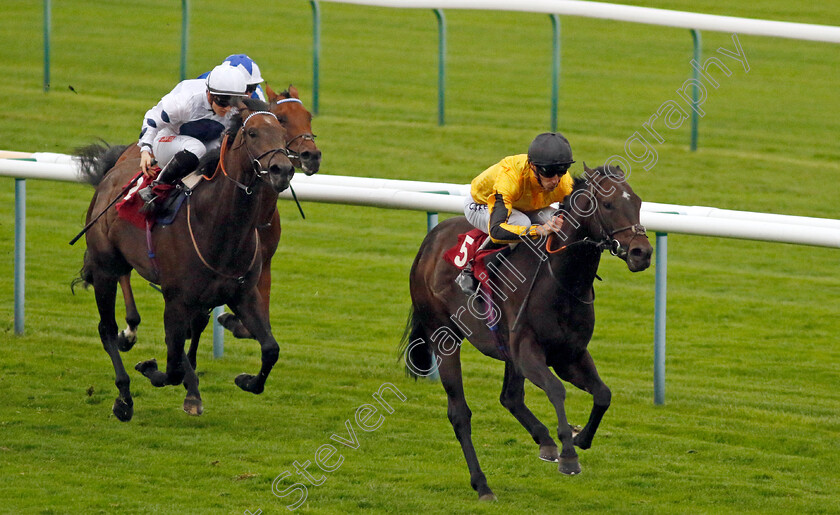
(626,195)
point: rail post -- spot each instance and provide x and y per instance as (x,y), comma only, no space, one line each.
(185,35)
(695,91)
(47,33)
(20,252)
(555,68)
(316,52)
(441,19)
(659,318)
(218,333)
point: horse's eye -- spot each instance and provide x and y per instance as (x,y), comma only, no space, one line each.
(607,205)
(252,133)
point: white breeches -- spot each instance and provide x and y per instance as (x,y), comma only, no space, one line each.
(479,215)
(166,145)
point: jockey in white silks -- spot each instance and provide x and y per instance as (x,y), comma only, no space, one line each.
(187,123)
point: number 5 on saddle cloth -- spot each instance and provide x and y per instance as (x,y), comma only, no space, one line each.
(472,255)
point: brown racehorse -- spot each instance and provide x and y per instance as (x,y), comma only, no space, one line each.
(305,156)
(204,259)
(541,316)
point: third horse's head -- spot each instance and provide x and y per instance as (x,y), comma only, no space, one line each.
(297,121)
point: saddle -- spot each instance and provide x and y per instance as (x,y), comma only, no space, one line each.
(170,198)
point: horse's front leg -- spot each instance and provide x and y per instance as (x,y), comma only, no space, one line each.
(176,320)
(232,323)
(250,311)
(197,326)
(584,375)
(532,362)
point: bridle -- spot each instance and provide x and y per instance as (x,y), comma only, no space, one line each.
(607,240)
(259,172)
(303,137)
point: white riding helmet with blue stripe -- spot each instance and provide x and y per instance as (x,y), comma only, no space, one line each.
(247,66)
(226,80)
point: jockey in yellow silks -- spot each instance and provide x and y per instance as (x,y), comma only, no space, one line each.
(511,199)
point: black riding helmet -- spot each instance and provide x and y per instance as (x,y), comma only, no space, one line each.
(550,152)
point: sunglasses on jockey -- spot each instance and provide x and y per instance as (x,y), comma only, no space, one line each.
(549,171)
(221,100)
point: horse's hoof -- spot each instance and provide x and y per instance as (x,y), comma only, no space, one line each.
(125,343)
(144,367)
(193,406)
(249,383)
(580,443)
(569,466)
(489,497)
(549,453)
(123,410)
(227,320)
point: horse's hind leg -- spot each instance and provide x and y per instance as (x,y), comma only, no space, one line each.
(513,398)
(584,375)
(105,289)
(460,418)
(128,336)
(175,322)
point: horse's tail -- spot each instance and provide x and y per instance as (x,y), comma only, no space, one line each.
(414,349)
(96,159)
(85,277)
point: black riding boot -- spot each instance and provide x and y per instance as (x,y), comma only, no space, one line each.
(179,167)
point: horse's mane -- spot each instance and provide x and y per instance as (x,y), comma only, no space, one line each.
(253,105)
(614,172)
(209,161)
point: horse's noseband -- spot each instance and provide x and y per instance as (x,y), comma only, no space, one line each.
(306,136)
(256,160)
(615,246)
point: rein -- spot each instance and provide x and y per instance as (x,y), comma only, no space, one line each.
(607,242)
(238,278)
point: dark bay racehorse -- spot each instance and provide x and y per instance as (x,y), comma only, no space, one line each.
(542,315)
(209,256)
(304,155)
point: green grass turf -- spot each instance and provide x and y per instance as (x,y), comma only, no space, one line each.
(751,420)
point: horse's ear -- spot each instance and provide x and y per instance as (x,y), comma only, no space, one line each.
(293,91)
(270,94)
(586,168)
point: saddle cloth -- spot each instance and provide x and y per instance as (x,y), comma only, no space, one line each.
(466,252)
